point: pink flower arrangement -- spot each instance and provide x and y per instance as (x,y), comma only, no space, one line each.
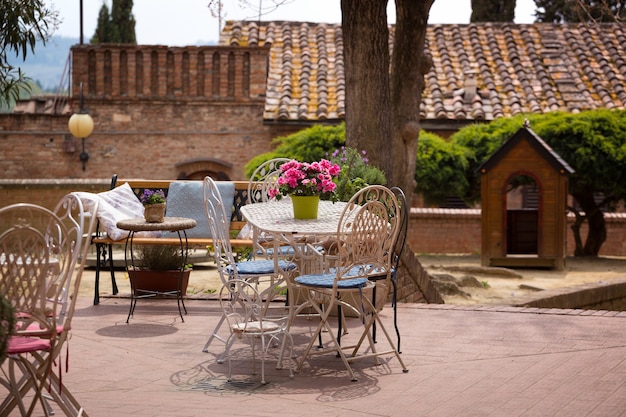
(306,179)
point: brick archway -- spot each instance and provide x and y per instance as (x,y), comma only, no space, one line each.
(197,169)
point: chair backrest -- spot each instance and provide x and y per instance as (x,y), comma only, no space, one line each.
(218,225)
(36,261)
(367,232)
(403,229)
(263,179)
(78,213)
(242,304)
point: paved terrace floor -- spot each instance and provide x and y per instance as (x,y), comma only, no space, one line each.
(462,360)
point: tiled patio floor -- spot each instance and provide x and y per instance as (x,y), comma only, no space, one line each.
(462,360)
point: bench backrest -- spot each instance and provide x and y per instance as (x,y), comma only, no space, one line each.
(240,197)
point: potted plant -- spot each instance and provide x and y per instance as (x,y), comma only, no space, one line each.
(7,326)
(154,205)
(158,270)
(305,183)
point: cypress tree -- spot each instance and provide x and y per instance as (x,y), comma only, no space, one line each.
(493,11)
(117,26)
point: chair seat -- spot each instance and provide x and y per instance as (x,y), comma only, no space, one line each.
(260,267)
(255,327)
(282,251)
(373,275)
(328,280)
(19,344)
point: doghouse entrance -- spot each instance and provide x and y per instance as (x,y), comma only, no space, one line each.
(522,231)
(522,216)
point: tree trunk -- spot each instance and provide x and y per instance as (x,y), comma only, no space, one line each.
(366,56)
(578,242)
(382,111)
(596,234)
(409,64)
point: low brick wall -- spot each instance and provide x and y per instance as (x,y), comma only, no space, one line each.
(459,231)
(450,231)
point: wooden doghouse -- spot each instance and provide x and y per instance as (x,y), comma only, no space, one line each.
(524,196)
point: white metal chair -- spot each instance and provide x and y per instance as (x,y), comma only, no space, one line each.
(398,248)
(263,179)
(268,274)
(80,223)
(242,307)
(365,241)
(36,260)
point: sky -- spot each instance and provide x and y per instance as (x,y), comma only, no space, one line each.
(189,22)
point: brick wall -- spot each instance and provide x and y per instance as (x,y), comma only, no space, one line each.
(459,231)
(158,112)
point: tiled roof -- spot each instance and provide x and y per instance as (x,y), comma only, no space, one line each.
(480,72)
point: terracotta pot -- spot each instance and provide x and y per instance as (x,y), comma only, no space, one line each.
(157,281)
(154,213)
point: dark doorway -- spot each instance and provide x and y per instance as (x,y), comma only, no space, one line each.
(522,219)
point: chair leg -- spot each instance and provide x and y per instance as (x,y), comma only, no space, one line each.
(394,302)
(114,289)
(324,324)
(375,319)
(215,335)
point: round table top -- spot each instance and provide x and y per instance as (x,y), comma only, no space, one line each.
(169,223)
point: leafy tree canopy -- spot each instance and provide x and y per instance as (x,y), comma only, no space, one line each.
(23,23)
(307,145)
(563,11)
(440,168)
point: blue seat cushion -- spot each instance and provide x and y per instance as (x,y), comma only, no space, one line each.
(328,280)
(261,267)
(282,251)
(372,275)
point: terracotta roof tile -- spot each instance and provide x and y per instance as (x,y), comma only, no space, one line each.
(480,71)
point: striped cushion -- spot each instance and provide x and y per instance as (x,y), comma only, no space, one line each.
(328,280)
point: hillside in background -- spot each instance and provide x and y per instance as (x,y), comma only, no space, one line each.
(46,65)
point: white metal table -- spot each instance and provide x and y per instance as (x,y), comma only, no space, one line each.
(275,218)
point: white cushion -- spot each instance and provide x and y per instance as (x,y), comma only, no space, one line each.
(114,205)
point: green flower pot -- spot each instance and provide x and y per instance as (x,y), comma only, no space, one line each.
(305,207)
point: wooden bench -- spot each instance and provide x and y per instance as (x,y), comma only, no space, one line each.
(104,244)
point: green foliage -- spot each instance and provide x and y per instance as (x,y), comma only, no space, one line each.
(307,145)
(355,173)
(480,141)
(7,325)
(593,143)
(159,257)
(440,168)
(563,11)
(317,142)
(23,24)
